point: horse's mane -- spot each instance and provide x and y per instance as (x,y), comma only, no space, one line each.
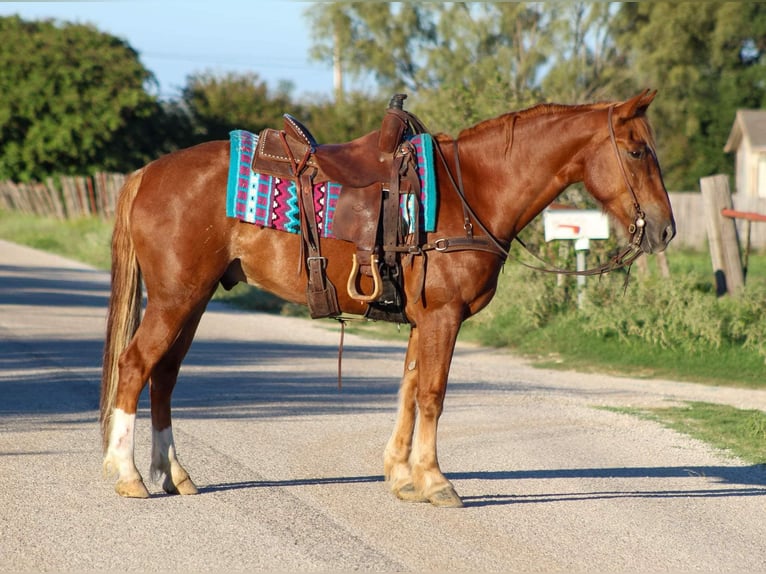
(544,109)
(642,125)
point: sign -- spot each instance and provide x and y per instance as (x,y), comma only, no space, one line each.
(575,224)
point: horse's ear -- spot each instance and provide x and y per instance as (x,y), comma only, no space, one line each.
(635,106)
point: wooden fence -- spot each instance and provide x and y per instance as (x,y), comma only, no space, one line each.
(64,197)
(689,211)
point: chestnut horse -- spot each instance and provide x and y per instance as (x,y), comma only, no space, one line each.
(172,232)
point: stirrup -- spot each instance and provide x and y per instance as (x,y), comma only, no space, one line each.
(376,280)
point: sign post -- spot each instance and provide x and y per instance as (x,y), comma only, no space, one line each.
(580,226)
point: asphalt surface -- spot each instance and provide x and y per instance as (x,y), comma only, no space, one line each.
(290,469)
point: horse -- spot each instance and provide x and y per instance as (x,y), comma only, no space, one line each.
(171,234)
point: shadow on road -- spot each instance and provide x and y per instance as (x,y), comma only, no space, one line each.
(289,483)
(53,287)
(751,478)
(219,379)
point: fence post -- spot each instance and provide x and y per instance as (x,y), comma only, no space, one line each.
(722,235)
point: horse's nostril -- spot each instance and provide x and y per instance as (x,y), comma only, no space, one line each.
(668,233)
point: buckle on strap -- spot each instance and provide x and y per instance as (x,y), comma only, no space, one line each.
(322,261)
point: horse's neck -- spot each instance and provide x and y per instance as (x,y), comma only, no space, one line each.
(514,167)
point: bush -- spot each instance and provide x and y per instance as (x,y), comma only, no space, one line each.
(678,313)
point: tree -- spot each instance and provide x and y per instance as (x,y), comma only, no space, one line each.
(585,65)
(356,115)
(217,104)
(74,101)
(707,60)
(484,62)
(468,61)
(382,39)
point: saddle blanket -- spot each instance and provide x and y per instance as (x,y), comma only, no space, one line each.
(269,201)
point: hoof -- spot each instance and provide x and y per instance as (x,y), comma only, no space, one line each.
(446,498)
(185,487)
(131,489)
(409,494)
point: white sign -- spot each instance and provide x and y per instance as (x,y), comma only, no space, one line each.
(575,224)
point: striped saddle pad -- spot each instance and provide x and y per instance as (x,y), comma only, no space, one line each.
(269,201)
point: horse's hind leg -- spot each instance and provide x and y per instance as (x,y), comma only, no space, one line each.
(163,380)
(158,331)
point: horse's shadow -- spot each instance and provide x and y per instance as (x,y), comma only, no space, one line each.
(744,481)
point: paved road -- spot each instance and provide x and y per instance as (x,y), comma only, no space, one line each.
(289,468)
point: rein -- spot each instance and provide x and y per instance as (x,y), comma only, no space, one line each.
(490,243)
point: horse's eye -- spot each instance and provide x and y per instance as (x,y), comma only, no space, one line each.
(636,153)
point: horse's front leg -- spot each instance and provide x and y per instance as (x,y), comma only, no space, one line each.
(436,344)
(412,469)
(396,460)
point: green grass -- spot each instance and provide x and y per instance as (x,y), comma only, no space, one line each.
(675,328)
(564,345)
(741,433)
(86,239)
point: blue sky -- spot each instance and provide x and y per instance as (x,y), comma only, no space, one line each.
(175,39)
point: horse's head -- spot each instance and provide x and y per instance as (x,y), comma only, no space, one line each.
(624,175)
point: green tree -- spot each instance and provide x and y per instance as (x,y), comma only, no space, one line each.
(444,54)
(74,101)
(217,104)
(382,39)
(484,62)
(585,65)
(462,62)
(356,115)
(707,60)
(468,61)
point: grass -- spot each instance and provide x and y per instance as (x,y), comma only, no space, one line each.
(570,348)
(674,328)
(739,432)
(250,298)
(86,239)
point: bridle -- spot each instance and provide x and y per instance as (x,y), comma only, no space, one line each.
(638,227)
(624,258)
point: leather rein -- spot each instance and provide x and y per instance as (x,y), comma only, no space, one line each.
(490,243)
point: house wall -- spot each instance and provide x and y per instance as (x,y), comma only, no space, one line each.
(741,163)
(760,184)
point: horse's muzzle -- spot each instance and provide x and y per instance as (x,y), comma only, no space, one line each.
(657,237)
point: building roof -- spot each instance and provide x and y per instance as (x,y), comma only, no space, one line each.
(749,124)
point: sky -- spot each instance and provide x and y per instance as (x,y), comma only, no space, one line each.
(177,38)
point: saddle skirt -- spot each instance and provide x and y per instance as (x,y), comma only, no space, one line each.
(271,201)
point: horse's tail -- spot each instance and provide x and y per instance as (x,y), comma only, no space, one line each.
(124,312)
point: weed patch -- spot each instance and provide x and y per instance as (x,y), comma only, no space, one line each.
(741,433)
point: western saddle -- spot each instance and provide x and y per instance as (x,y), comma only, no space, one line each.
(374,171)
